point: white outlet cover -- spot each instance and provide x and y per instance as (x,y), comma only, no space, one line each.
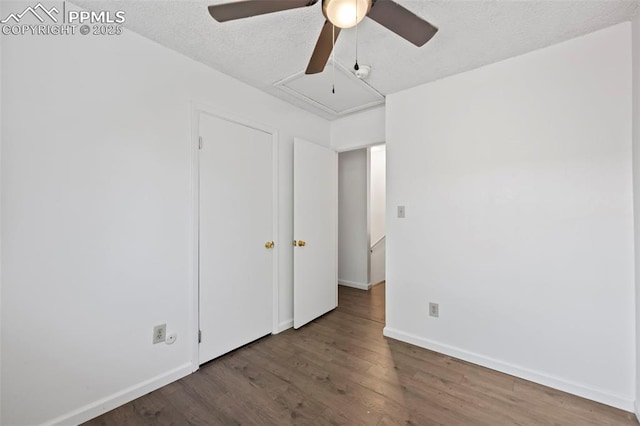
(434,310)
(159,333)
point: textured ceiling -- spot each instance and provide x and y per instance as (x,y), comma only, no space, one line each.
(264,50)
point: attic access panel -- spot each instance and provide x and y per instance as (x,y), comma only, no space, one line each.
(351,93)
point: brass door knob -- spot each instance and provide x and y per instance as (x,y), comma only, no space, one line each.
(269,244)
(301,243)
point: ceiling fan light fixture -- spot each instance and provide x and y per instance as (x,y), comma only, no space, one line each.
(345,13)
(339,14)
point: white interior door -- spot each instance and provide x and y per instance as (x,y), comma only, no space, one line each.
(315,224)
(235,222)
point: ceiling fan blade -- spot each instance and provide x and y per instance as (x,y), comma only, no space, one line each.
(246,8)
(402,21)
(323,48)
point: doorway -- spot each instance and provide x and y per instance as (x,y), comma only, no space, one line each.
(361,232)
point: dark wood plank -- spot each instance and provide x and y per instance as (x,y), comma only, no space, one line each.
(341,370)
(364,304)
(123,415)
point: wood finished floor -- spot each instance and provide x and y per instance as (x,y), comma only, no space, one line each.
(341,370)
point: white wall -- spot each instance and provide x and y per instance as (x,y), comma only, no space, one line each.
(377,208)
(377,264)
(1,197)
(96,210)
(378,192)
(353,240)
(636,190)
(517,183)
(358,130)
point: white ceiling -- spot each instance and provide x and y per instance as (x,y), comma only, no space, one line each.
(265,50)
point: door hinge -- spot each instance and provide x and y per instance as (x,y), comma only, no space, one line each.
(200,142)
(199,336)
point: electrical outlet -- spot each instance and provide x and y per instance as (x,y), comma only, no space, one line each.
(401,212)
(159,333)
(434,310)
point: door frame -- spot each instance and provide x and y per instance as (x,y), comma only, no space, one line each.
(194,141)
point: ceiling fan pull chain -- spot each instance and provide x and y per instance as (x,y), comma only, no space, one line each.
(356,66)
(333,61)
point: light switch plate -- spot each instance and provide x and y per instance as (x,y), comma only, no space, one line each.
(401,212)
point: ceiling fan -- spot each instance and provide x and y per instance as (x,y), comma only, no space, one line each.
(339,14)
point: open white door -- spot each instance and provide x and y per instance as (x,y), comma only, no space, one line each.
(315,228)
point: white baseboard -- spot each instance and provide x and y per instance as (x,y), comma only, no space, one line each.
(603,397)
(101,406)
(285,325)
(352,284)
